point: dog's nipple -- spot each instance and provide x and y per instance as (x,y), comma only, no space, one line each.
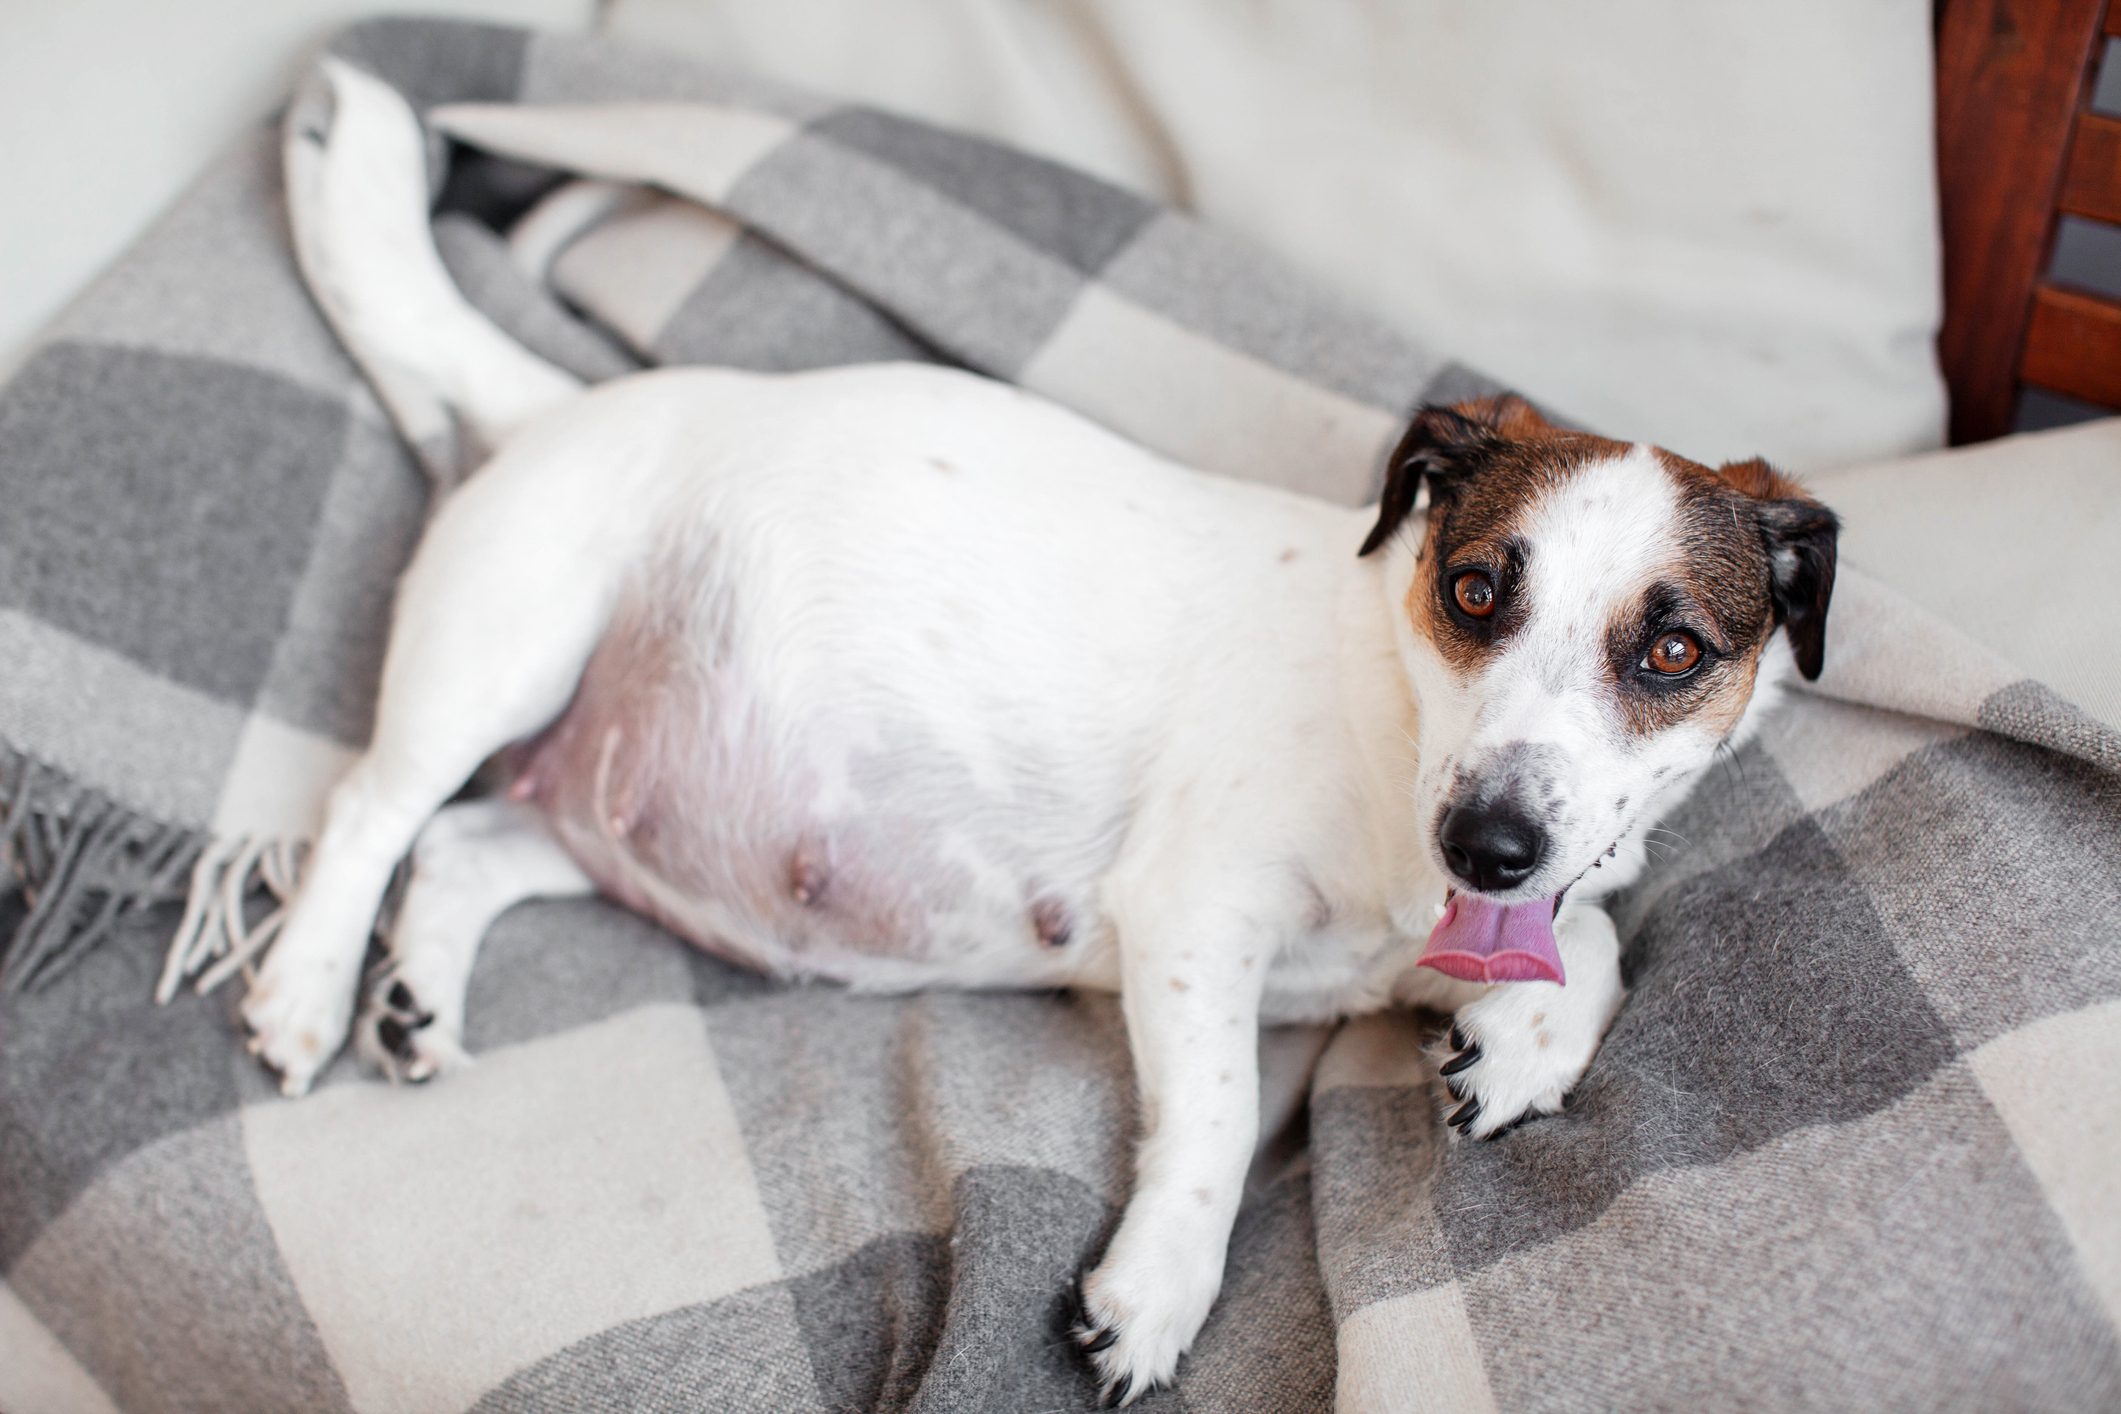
(1049,917)
(806,878)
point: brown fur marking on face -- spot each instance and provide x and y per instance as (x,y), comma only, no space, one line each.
(1717,588)
(1750,551)
(1715,695)
(1475,522)
(1724,567)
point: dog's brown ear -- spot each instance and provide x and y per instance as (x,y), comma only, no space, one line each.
(1444,446)
(1802,539)
(1512,417)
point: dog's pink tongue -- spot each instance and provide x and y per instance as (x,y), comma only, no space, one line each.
(1479,940)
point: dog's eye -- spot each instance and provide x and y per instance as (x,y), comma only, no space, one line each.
(1673,654)
(1475,594)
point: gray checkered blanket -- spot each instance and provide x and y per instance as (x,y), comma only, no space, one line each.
(1854,1141)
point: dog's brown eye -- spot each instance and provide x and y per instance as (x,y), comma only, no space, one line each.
(1674,653)
(1475,594)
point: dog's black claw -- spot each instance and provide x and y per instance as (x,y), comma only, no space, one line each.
(1101,1341)
(1465,1114)
(1458,1039)
(1465,1057)
(1117,1395)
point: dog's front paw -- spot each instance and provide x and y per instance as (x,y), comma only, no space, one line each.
(1142,1308)
(1518,1050)
(404,1036)
(296,1012)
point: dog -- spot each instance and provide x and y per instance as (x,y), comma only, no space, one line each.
(906,678)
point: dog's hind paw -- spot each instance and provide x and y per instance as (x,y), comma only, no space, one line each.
(404,1038)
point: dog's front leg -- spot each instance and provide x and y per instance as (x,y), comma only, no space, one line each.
(1191,969)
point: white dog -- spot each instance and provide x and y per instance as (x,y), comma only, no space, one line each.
(906,678)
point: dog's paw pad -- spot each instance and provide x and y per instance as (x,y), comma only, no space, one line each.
(403,1037)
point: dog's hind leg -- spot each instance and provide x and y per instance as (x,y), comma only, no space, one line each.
(499,611)
(472,863)
(356,165)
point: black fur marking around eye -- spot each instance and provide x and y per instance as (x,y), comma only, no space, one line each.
(1665,610)
(1661,607)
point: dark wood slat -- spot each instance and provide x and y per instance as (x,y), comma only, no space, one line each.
(2092,186)
(2011,77)
(2113,19)
(2073,345)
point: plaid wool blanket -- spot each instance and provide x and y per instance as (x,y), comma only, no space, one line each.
(1853,1141)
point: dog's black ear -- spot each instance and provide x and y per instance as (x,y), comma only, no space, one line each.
(1802,536)
(1802,539)
(1444,446)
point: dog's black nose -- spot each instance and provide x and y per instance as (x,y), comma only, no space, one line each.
(1491,847)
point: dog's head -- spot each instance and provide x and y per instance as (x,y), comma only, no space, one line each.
(1586,622)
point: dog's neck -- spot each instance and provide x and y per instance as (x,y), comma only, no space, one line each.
(1384,723)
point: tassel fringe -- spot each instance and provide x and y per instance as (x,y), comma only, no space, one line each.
(85,863)
(217,938)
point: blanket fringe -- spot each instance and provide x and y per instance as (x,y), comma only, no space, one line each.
(85,863)
(217,938)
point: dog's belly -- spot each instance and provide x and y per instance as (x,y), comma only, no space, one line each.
(889,678)
(824,844)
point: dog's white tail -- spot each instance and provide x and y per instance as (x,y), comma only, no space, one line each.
(356,163)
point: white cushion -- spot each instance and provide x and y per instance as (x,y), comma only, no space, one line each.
(1706,223)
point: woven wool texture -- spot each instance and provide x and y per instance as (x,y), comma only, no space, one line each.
(1850,1144)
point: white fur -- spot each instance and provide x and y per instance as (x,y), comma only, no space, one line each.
(936,628)
(1536,1039)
